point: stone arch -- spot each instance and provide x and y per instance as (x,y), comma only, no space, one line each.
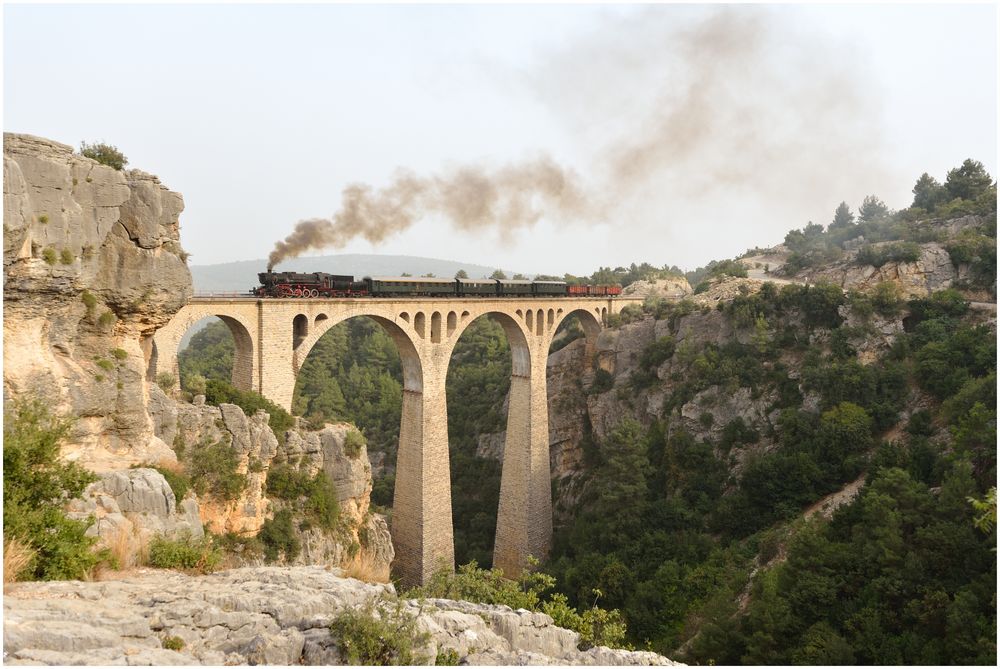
(419,323)
(551,318)
(166,344)
(320,318)
(588,321)
(539,322)
(517,337)
(300,329)
(436,327)
(412,374)
(452,322)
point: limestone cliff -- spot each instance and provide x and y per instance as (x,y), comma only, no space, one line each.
(92,266)
(263,616)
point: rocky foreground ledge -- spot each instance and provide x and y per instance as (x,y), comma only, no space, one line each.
(260,615)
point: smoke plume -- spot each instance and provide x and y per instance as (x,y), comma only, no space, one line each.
(470,197)
(732,119)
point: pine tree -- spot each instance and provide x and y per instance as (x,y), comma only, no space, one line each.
(842,218)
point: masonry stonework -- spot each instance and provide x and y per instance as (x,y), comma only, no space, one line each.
(274,336)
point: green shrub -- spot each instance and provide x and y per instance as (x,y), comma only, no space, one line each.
(165,380)
(49,255)
(886,298)
(876,256)
(173,643)
(105,154)
(200,555)
(105,364)
(657,353)
(487,586)
(119,353)
(603,382)
(277,535)
(446,657)
(353,443)
(66,257)
(36,484)
(315,495)
(379,635)
(44,218)
(217,392)
(106,320)
(213,471)
(195,384)
(89,301)
(596,626)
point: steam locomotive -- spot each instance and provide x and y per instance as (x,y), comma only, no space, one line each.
(321,284)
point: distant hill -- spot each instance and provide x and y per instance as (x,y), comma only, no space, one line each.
(241,275)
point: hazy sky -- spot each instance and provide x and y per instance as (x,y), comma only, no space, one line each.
(693,132)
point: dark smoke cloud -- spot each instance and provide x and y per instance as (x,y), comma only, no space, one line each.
(721,113)
(470,197)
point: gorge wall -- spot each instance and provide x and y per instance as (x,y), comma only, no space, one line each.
(93,265)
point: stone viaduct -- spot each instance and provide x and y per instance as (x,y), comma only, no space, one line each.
(274,336)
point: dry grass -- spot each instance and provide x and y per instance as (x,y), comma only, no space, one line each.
(174,466)
(128,548)
(364,568)
(16,556)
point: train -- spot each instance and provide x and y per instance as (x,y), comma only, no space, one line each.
(321,284)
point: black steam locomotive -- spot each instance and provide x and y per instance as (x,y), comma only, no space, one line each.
(321,284)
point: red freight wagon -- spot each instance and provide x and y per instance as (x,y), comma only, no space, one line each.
(576,290)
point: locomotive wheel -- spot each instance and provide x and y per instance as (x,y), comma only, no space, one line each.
(297,292)
(313,292)
(285,292)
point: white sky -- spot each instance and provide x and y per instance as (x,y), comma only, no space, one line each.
(259,115)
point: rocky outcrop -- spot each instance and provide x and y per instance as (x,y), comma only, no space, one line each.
(92,266)
(673,288)
(188,427)
(128,508)
(349,468)
(261,616)
(932,271)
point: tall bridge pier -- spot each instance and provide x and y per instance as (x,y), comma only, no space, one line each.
(274,336)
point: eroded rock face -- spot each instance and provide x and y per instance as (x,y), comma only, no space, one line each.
(133,505)
(264,615)
(92,266)
(188,427)
(671,289)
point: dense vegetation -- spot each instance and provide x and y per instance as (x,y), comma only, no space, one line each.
(670,536)
(36,482)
